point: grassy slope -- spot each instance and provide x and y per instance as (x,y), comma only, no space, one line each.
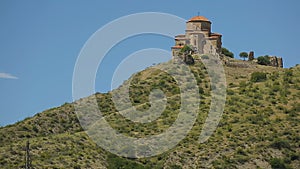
(260,126)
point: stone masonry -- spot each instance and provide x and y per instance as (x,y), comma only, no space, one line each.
(199,36)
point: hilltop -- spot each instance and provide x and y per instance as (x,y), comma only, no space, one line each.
(259,127)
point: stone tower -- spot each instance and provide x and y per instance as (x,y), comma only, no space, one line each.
(198,35)
(251,55)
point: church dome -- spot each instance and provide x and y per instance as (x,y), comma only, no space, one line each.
(198,18)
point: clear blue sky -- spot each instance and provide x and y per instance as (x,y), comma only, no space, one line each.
(40,41)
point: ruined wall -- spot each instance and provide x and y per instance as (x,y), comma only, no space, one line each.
(280,62)
(251,56)
(276,61)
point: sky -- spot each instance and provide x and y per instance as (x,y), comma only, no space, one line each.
(40,42)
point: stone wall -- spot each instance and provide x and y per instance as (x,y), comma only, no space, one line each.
(276,61)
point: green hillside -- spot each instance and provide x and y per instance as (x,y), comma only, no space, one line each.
(259,128)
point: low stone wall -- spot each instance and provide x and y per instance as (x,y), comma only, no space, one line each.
(238,64)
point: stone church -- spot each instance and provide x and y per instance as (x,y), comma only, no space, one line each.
(198,35)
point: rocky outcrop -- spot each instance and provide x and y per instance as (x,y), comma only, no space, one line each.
(276,61)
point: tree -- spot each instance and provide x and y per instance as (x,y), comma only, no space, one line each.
(226,52)
(263,60)
(244,55)
(186,52)
(186,49)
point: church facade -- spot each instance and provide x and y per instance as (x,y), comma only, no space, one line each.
(199,36)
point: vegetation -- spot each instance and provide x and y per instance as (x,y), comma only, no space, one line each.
(263,60)
(259,127)
(186,49)
(277,163)
(227,53)
(186,53)
(243,55)
(258,77)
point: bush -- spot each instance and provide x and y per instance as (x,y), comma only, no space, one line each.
(277,163)
(186,48)
(258,77)
(174,166)
(230,92)
(288,72)
(280,143)
(120,162)
(201,90)
(263,60)
(226,52)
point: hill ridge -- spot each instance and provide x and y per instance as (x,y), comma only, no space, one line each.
(259,127)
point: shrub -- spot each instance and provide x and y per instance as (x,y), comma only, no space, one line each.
(288,73)
(243,84)
(186,49)
(258,77)
(240,151)
(174,166)
(276,88)
(201,90)
(226,52)
(280,143)
(230,92)
(263,60)
(277,163)
(119,162)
